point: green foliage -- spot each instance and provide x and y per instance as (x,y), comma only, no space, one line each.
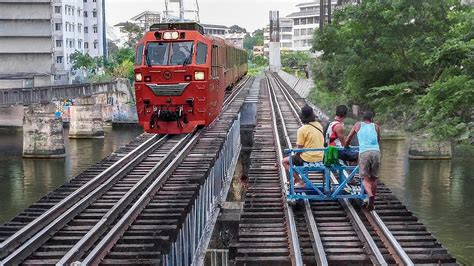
(256,39)
(295,59)
(259,60)
(412,61)
(255,71)
(237,29)
(134,34)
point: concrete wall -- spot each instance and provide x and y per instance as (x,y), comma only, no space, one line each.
(25,63)
(29,28)
(26,48)
(11,116)
(23,10)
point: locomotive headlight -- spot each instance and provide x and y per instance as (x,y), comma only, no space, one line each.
(170,35)
(199,75)
(138,77)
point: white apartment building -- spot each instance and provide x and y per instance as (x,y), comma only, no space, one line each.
(236,38)
(77,26)
(306,20)
(216,30)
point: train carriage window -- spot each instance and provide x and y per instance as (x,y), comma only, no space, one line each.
(215,61)
(201,54)
(139,55)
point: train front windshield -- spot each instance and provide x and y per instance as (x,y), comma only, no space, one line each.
(169,53)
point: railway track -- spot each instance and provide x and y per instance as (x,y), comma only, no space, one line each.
(322,233)
(129,208)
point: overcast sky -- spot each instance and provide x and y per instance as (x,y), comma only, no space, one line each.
(250,14)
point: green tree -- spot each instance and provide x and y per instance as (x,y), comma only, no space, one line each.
(134,33)
(84,62)
(237,29)
(404,58)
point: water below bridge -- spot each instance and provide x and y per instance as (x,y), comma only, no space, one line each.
(438,192)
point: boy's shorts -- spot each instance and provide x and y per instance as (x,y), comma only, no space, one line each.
(369,163)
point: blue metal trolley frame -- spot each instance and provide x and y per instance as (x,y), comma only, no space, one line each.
(327,190)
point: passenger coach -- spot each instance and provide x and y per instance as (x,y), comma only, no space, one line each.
(181,76)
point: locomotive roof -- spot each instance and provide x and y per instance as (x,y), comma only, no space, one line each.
(178,26)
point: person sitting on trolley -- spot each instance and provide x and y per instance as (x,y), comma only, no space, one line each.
(310,135)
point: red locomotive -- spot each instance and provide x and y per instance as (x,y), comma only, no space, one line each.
(181,76)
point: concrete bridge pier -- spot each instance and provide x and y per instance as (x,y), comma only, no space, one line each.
(42,132)
(86,119)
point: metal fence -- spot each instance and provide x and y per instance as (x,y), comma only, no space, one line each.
(193,238)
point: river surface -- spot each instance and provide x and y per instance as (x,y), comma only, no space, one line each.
(24,181)
(439,193)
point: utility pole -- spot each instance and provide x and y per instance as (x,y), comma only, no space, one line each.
(181,10)
(321,14)
(329,11)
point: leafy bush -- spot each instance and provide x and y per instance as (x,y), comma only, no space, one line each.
(411,61)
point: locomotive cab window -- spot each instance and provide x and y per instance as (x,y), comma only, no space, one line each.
(169,53)
(201,54)
(139,55)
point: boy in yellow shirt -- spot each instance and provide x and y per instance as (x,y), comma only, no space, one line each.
(310,135)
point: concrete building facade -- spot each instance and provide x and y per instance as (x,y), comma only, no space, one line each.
(26,50)
(39,36)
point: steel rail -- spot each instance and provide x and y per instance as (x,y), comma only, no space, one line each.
(316,242)
(106,244)
(400,255)
(86,242)
(297,258)
(345,203)
(235,92)
(67,214)
(47,217)
(348,206)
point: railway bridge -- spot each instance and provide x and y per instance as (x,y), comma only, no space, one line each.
(164,200)
(41,111)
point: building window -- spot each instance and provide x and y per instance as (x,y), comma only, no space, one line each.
(86,30)
(96,44)
(85,1)
(79,12)
(79,44)
(310,20)
(85,14)
(57,9)
(59,59)
(57,26)
(59,43)
(79,27)
(96,29)
(297,22)
(94,1)
(94,13)
(297,32)
(86,45)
